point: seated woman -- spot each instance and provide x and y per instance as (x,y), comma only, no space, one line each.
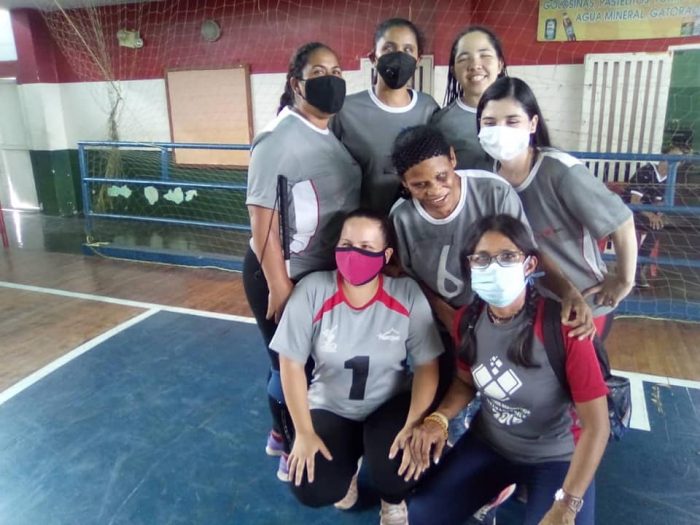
(365,331)
(523,433)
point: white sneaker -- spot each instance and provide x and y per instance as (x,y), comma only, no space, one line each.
(393,514)
(485,515)
(351,495)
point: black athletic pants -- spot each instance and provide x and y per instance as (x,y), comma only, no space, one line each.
(347,441)
(257,292)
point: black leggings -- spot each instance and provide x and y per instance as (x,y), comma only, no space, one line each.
(347,441)
(257,292)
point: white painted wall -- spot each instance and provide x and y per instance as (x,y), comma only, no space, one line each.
(59,115)
(17,188)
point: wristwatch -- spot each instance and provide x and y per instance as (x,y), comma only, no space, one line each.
(570,501)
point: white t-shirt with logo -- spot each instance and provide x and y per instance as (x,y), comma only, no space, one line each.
(363,356)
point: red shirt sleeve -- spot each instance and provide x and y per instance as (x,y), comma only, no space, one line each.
(583,370)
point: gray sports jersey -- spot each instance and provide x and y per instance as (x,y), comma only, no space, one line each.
(525,413)
(362,355)
(430,249)
(569,210)
(323,185)
(457,122)
(368,128)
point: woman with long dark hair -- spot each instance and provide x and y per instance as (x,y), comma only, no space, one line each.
(568,208)
(526,431)
(476,61)
(322,182)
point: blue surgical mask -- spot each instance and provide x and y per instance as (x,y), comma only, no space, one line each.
(498,285)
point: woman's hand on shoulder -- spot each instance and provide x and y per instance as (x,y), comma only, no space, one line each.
(577,315)
(278,297)
(303,456)
(559,514)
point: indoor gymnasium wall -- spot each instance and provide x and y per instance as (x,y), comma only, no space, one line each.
(64,103)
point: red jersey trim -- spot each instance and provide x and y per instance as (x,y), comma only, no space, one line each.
(381,296)
(336,299)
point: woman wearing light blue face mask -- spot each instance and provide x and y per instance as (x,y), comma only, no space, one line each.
(569,209)
(524,432)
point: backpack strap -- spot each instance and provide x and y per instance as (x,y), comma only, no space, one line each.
(554,340)
(602,355)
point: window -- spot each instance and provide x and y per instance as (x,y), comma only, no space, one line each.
(7,39)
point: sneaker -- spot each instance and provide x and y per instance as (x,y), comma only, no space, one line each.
(486,515)
(641,280)
(351,495)
(393,514)
(275,444)
(283,469)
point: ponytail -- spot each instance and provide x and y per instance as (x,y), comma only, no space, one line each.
(296,66)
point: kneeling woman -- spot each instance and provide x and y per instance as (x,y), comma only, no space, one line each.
(523,433)
(364,331)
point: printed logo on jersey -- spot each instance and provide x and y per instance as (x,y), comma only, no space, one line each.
(327,342)
(391,335)
(498,386)
(448,285)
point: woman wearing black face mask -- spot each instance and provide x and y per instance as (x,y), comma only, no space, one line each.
(323,183)
(370,120)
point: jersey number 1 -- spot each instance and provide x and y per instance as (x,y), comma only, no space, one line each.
(360,370)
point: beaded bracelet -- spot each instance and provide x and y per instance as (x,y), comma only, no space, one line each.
(441,420)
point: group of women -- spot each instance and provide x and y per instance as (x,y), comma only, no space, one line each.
(404,220)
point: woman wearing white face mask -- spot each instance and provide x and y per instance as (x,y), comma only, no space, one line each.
(523,433)
(568,208)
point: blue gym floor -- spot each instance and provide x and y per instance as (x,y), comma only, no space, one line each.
(165,423)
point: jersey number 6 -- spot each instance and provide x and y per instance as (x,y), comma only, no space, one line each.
(360,370)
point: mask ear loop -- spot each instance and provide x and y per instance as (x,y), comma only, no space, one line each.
(530,279)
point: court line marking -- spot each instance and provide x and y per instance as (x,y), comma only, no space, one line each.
(650,378)
(640,414)
(127,302)
(639,419)
(54,365)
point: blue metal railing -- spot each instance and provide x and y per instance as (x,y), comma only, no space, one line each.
(165,149)
(634,304)
(673,162)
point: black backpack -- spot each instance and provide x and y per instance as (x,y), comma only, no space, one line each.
(619,395)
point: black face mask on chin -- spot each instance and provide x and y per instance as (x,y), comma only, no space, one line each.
(326,93)
(396,68)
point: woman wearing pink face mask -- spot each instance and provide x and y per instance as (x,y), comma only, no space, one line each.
(366,332)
